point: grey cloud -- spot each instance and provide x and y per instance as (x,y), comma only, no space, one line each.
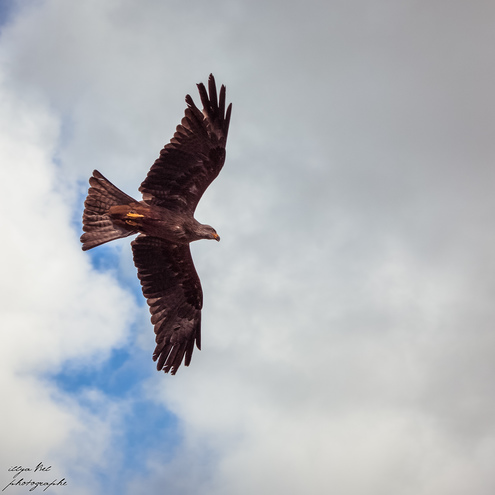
(348,309)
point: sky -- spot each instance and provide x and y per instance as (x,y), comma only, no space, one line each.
(348,340)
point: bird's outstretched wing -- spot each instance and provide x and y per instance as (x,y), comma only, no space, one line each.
(195,155)
(173,291)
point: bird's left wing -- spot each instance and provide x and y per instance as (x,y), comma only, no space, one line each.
(195,155)
(173,292)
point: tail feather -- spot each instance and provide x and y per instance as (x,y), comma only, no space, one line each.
(97,225)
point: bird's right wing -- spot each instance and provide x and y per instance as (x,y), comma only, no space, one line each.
(173,292)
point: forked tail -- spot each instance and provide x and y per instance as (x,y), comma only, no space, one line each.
(97,225)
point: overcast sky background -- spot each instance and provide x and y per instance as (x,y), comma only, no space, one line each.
(348,323)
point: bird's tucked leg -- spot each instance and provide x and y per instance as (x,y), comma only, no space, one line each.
(132,219)
(126,214)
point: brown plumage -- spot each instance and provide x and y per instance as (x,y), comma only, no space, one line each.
(166,225)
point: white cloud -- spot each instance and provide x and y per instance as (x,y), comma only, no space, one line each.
(347,336)
(56,311)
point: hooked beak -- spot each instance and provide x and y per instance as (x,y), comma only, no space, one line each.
(216,237)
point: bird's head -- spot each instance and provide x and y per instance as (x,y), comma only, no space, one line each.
(208,232)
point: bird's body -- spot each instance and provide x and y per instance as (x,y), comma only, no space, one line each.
(166,225)
(160,222)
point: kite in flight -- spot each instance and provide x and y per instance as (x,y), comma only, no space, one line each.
(166,225)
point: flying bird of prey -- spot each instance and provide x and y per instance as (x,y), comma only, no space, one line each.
(165,222)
